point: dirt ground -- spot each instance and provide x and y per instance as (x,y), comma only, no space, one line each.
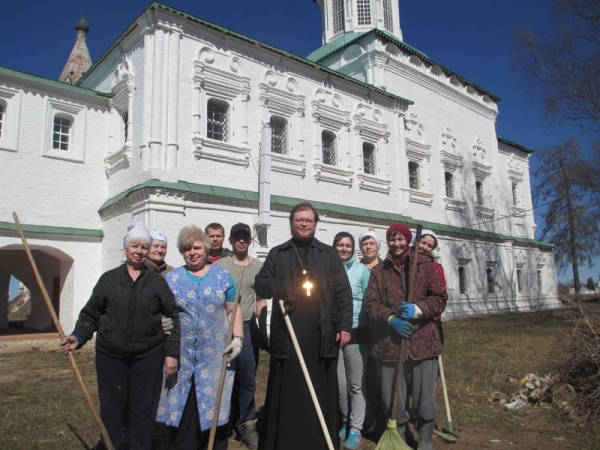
(41,406)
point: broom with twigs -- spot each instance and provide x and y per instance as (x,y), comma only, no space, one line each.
(215,419)
(103,432)
(390,439)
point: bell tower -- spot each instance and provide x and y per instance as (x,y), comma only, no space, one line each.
(358,16)
(79,60)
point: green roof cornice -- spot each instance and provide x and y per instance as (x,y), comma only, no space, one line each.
(39,80)
(332,209)
(47,229)
(340,44)
(515,145)
(314,65)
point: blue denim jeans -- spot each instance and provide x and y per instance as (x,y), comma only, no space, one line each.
(243,407)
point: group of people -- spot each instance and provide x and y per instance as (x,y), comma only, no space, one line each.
(162,336)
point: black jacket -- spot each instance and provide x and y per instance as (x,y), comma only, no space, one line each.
(127,315)
(332,281)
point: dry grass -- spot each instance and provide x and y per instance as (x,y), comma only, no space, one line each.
(41,406)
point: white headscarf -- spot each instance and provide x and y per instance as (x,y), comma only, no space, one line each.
(426,232)
(158,235)
(137,231)
(366,234)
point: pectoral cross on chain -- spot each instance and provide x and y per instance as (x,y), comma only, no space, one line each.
(308,286)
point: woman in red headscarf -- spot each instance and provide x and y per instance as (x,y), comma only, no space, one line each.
(393,319)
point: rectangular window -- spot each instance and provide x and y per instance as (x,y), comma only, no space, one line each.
(388,19)
(519,281)
(60,135)
(491,287)
(462,280)
(479,192)
(369,158)
(449,179)
(279,138)
(217,120)
(329,151)
(338,16)
(2,108)
(413,175)
(539,280)
(515,193)
(363,12)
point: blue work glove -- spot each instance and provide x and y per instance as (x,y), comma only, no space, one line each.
(401,326)
(408,311)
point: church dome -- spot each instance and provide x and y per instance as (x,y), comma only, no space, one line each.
(82,25)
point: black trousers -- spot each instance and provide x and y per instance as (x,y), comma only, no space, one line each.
(136,380)
(188,435)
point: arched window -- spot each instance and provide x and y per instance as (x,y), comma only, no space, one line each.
(369,158)
(479,192)
(217,119)
(491,288)
(449,180)
(363,12)
(279,137)
(61,132)
(388,19)
(2,112)
(338,16)
(519,280)
(515,194)
(539,280)
(462,280)
(413,175)
(328,145)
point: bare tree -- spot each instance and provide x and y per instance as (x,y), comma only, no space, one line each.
(562,69)
(569,223)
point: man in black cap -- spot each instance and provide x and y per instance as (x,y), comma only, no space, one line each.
(243,411)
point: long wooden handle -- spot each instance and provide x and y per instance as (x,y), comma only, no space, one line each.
(399,374)
(215,419)
(311,389)
(444,390)
(61,333)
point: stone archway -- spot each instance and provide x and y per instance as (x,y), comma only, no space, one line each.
(55,268)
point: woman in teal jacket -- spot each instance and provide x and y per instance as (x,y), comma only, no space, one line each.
(351,360)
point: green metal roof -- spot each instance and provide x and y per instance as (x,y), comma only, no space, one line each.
(157,5)
(46,229)
(340,44)
(323,207)
(514,144)
(28,77)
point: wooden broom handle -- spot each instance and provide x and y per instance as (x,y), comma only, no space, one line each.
(61,333)
(215,419)
(311,389)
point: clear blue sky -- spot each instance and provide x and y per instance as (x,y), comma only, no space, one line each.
(471,37)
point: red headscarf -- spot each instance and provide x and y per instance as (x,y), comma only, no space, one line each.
(401,228)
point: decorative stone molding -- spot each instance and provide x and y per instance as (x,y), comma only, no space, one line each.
(540,259)
(368,122)
(478,151)
(288,165)
(448,142)
(464,254)
(454,204)
(416,151)
(422,197)
(480,170)
(220,151)
(330,117)
(484,212)
(491,254)
(219,83)
(521,258)
(450,161)
(117,161)
(280,102)
(373,183)
(324,172)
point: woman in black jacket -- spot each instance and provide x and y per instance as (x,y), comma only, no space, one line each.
(125,310)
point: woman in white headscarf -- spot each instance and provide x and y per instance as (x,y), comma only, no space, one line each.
(131,348)
(158,253)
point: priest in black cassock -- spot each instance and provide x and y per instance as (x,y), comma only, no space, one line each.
(310,277)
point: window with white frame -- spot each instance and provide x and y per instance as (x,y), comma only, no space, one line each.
(217,119)
(479,196)
(279,135)
(519,280)
(462,279)
(449,181)
(369,165)
(61,132)
(328,147)
(388,18)
(491,285)
(2,109)
(338,16)
(413,175)
(363,12)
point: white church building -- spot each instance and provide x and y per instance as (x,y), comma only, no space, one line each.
(182,121)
